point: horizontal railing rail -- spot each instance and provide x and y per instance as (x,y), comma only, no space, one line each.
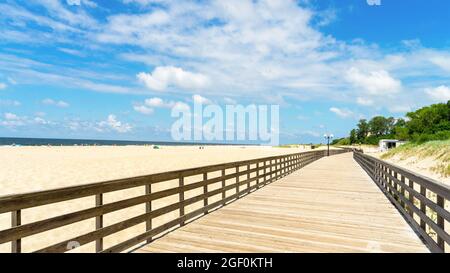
(420,199)
(257,173)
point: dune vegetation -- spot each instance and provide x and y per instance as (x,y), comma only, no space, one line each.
(436,151)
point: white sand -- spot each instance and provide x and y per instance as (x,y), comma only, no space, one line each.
(28,169)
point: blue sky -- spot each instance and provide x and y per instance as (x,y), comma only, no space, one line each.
(113,69)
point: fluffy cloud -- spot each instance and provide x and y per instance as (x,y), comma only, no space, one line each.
(143,109)
(143,2)
(10,103)
(147,107)
(241,48)
(374,82)
(201,100)
(364,101)
(343,113)
(3,86)
(11,116)
(181,106)
(60,103)
(158,103)
(112,123)
(73,2)
(12,121)
(165,76)
(88,3)
(439,94)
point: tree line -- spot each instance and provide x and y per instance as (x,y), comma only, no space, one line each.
(425,124)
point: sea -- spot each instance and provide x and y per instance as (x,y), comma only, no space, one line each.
(17,141)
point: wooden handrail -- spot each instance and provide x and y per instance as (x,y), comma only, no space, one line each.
(265,170)
(399,184)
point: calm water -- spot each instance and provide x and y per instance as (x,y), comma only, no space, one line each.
(72,142)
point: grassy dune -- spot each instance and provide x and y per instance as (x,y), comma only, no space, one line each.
(437,152)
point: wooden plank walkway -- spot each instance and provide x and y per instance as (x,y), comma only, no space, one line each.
(330,205)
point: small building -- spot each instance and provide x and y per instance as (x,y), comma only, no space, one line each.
(386,144)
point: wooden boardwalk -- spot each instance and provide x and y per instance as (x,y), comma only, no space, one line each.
(331,205)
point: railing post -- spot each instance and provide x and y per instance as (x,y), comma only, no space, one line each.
(388,177)
(290,164)
(237,182)
(257,175)
(375,171)
(411,197)
(248,177)
(402,179)
(205,191)
(271,170)
(440,201)
(181,196)
(16,220)
(148,209)
(265,178)
(277,168)
(99,222)
(423,191)
(223,187)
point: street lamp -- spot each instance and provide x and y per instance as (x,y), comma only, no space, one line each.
(328,137)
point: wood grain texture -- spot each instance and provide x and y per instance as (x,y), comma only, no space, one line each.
(331,205)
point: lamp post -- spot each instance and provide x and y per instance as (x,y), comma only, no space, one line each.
(328,137)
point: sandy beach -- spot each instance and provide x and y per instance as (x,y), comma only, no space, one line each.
(29,169)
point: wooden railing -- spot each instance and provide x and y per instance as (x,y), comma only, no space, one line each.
(257,173)
(421,200)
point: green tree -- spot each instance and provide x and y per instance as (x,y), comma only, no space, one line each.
(430,119)
(378,126)
(363,130)
(401,133)
(353,137)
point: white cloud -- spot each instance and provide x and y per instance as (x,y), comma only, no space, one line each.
(71,51)
(73,2)
(374,82)
(10,103)
(439,94)
(3,86)
(155,102)
(41,121)
(60,103)
(181,106)
(11,116)
(158,103)
(150,103)
(364,101)
(88,3)
(443,61)
(230,101)
(243,48)
(166,76)
(112,123)
(12,120)
(399,108)
(143,109)
(343,113)
(201,100)
(143,2)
